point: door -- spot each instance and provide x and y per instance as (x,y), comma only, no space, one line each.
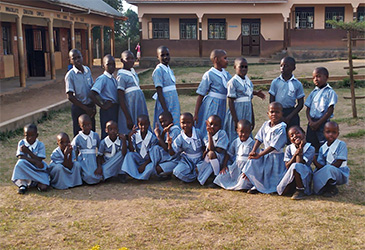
(35,44)
(251,37)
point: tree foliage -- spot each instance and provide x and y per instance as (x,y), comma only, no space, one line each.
(350,26)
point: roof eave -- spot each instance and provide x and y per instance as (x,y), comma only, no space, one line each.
(200,2)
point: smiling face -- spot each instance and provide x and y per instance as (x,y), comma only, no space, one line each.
(163,55)
(214,123)
(109,64)
(30,135)
(287,67)
(319,79)
(63,141)
(331,132)
(275,113)
(186,123)
(241,67)
(76,58)
(165,120)
(128,60)
(243,131)
(111,128)
(296,136)
(85,124)
(143,124)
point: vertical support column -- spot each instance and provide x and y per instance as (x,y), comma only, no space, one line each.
(89,35)
(21,56)
(285,45)
(200,38)
(140,34)
(102,42)
(112,42)
(288,42)
(73,42)
(51,49)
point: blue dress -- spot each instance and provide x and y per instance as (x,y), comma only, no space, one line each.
(242,91)
(62,177)
(191,152)
(86,146)
(164,77)
(128,81)
(133,160)
(206,167)
(266,172)
(304,170)
(232,178)
(25,173)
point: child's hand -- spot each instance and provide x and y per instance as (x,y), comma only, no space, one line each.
(224,170)
(68,149)
(107,105)
(157,130)
(169,139)
(209,129)
(133,131)
(122,137)
(314,125)
(261,94)
(253,155)
(129,123)
(167,129)
(91,112)
(98,171)
(244,176)
(24,149)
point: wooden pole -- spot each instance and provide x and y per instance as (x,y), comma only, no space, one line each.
(112,42)
(89,35)
(351,71)
(73,42)
(51,49)
(21,56)
(102,43)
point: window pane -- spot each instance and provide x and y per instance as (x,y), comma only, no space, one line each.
(334,13)
(160,28)
(304,17)
(6,39)
(217,29)
(188,28)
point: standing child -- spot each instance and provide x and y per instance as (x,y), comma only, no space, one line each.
(264,170)
(164,80)
(189,144)
(320,106)
(30,168)
(64,170)
(331,164)
(86,143)
(212,90)
(131,98)
(230,177)
(298,159)
(216,144)
(240,93)
(78,85)
(106,88)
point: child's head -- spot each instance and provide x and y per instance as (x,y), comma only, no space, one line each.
(275,112)
(85,124)
(219,58)
(186,122)
(296,135)
(63,140)
(75,57)
(320,77)
(127,59)
(163,55)
(30,133)
(287,66)
(331,131)
(214,122)
(109,63)
(240,66)
(165,119)
(244,128)
(143,122)
(111,128)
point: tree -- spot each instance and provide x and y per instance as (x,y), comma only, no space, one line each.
(129,29)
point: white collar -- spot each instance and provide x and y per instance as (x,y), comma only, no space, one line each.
(85,137)
(131,73)
(269,129)
(108,74)
(215,136)
(290,82)
(76,70)
(31,147)
(327,86)
(164,67)
(244,82)
(331,150)
(139,137)
(186,138)
(59,151)
(109,142)
(244,143)
(293,148)
(291,78)
(222,74)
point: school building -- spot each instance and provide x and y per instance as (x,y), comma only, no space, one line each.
(36,35)
(192,28)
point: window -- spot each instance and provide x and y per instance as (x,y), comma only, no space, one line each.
(334,13)
(78,40)
(361,14)
(304,17)
(188,28)
(37,40)
(217,29)
(160,28)
(56,39)
(6,39)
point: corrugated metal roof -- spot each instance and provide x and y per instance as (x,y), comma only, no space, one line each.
(205,1)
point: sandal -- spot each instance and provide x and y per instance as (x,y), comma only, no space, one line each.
(22,189)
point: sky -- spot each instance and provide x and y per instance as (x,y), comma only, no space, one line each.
(127,6)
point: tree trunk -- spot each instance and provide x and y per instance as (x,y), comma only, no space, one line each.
(351,73)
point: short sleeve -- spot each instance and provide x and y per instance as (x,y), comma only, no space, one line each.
(342,151)
(308,101)
(231,89)
(74,142)
(278,139)
(260,134)
(309,155)
(69,82)
(223,140)
(41,151)
(101,149)
(174,133)
(121,82)
(232,148)
(272,90)
(321,159)
(206,140)
(99,85)
(157,77)
(332,98)
(287,155)
(56,157)
(18,152)
(300,91)
(204,85)
(177,144)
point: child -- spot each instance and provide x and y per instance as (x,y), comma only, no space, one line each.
(331,164)
(216,144)
(131,98)
(86,143)
(189,144)
(298,159)
(64,170)
(111,152)
(320,105)
(212,90)
(30,168)
(264,170)
(106,88)
(288,91)
(140,141)
(230,177)
(78,85)
(164,80)
(240,93)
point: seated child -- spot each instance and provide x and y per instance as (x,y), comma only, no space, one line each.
(216,144)
(30,168)
(86,143)
(111,151)
(331,164)
(64,170)
(212,90)
(298,159)
(189,144)
(131,98)
(240,93)
(320,105)
(139,141)
(264,170)
(230,177)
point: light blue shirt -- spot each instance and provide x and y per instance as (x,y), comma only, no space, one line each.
(106,86)
(79,83)
(37,148)
(212,82)
(236,90)
(319,106)
(181,145)
(340,153)
(58,157)
(308,155)
(163,76)
(220,140)
(272,136)
(280,89)
(127,79)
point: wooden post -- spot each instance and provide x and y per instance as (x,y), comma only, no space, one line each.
(89,35)
(102,44)
(21,56)
(352,84)
(200,38)
(112,42)
(51,49)
(73,42)
(285,34)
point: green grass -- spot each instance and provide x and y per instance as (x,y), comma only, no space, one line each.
(357,134)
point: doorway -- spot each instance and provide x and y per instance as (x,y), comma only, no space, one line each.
(251,37)
(35,45)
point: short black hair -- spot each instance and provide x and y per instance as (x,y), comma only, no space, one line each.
(143,117)
(216,53)
(244,123)
(31,126)
(276,104)
(216,117)
(297,127)
(166,114)
(188,114)
(289,59)
(240,59)
(161,48)
(322,70)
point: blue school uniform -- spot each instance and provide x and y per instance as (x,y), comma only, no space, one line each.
(242,91)
(214,89)
(207,167)
(303,169)
(135,101)
(106,86)
(113,156)
(62,177)
(238,152)
(326,157)
(135,159)
(86,145)
(191,152)
(266,172)
(24,172)
(164,77)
